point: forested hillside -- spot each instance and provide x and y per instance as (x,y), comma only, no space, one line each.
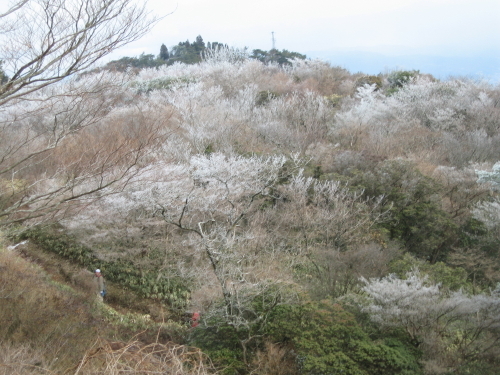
(320,221)
(193,53)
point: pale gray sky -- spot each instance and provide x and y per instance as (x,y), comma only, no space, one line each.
(389,26)
(436,36)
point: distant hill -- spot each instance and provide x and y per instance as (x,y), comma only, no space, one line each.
(485,65)
(192,53)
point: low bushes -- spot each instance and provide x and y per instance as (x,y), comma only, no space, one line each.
(145,282)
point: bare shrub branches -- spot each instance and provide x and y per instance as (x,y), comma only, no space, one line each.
(46,115)
(45,41)
(72,146)
(451,328)
(134,357)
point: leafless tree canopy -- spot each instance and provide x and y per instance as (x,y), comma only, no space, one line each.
(51,152)
(45,41)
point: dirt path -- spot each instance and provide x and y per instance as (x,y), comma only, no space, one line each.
(122,300)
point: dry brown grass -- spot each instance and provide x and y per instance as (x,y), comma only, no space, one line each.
(48,327)
(21,360)
(110,358)
(37,312)
(275,360)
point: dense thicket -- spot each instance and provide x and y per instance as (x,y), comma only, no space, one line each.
(320,220)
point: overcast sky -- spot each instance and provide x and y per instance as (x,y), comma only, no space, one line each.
(448,28)
(463,33)
(436,36)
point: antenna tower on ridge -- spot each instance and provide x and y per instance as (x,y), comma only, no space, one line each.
(274,41)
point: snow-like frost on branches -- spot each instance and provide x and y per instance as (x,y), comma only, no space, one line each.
(297,120)
(488,213)
(237,172)
(368,106)
(208,187)
(423,309)
(308,68)
(398,301)
(492,177)
(448,105)
(225,54)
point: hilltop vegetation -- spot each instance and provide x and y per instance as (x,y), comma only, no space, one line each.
(320,221)
(193,53)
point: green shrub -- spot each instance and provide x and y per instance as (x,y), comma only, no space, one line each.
(223,345)
(328,340)
(400,78)
(451,278)
(146,283)
(413,203)
(145,87)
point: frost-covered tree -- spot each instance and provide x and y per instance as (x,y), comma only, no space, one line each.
(217,194)
(488,213)
(403,302)
(209,199)
(453,329)
(44,108)
(69,142)
(327,229)
(459,115)
(493,177)
(224,54)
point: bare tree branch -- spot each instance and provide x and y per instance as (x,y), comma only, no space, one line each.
(47,112)
(45,41)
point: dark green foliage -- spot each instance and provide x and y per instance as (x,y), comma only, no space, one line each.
(232,336)
(145,282)
(216,45)
(400,78)
(317,172)
(328,340)
(223,345)
(209,149)
(185,52)
(475,234)
(413,203)
(260,55)
(477,252)
(188,53)
(192,53)
(425,230)
(282,57)
(164,55)
(140,62)
(199,44)
(145,87)
(450,278)
(477,367)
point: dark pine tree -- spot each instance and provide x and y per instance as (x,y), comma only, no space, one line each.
(199,42)
(164,55)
